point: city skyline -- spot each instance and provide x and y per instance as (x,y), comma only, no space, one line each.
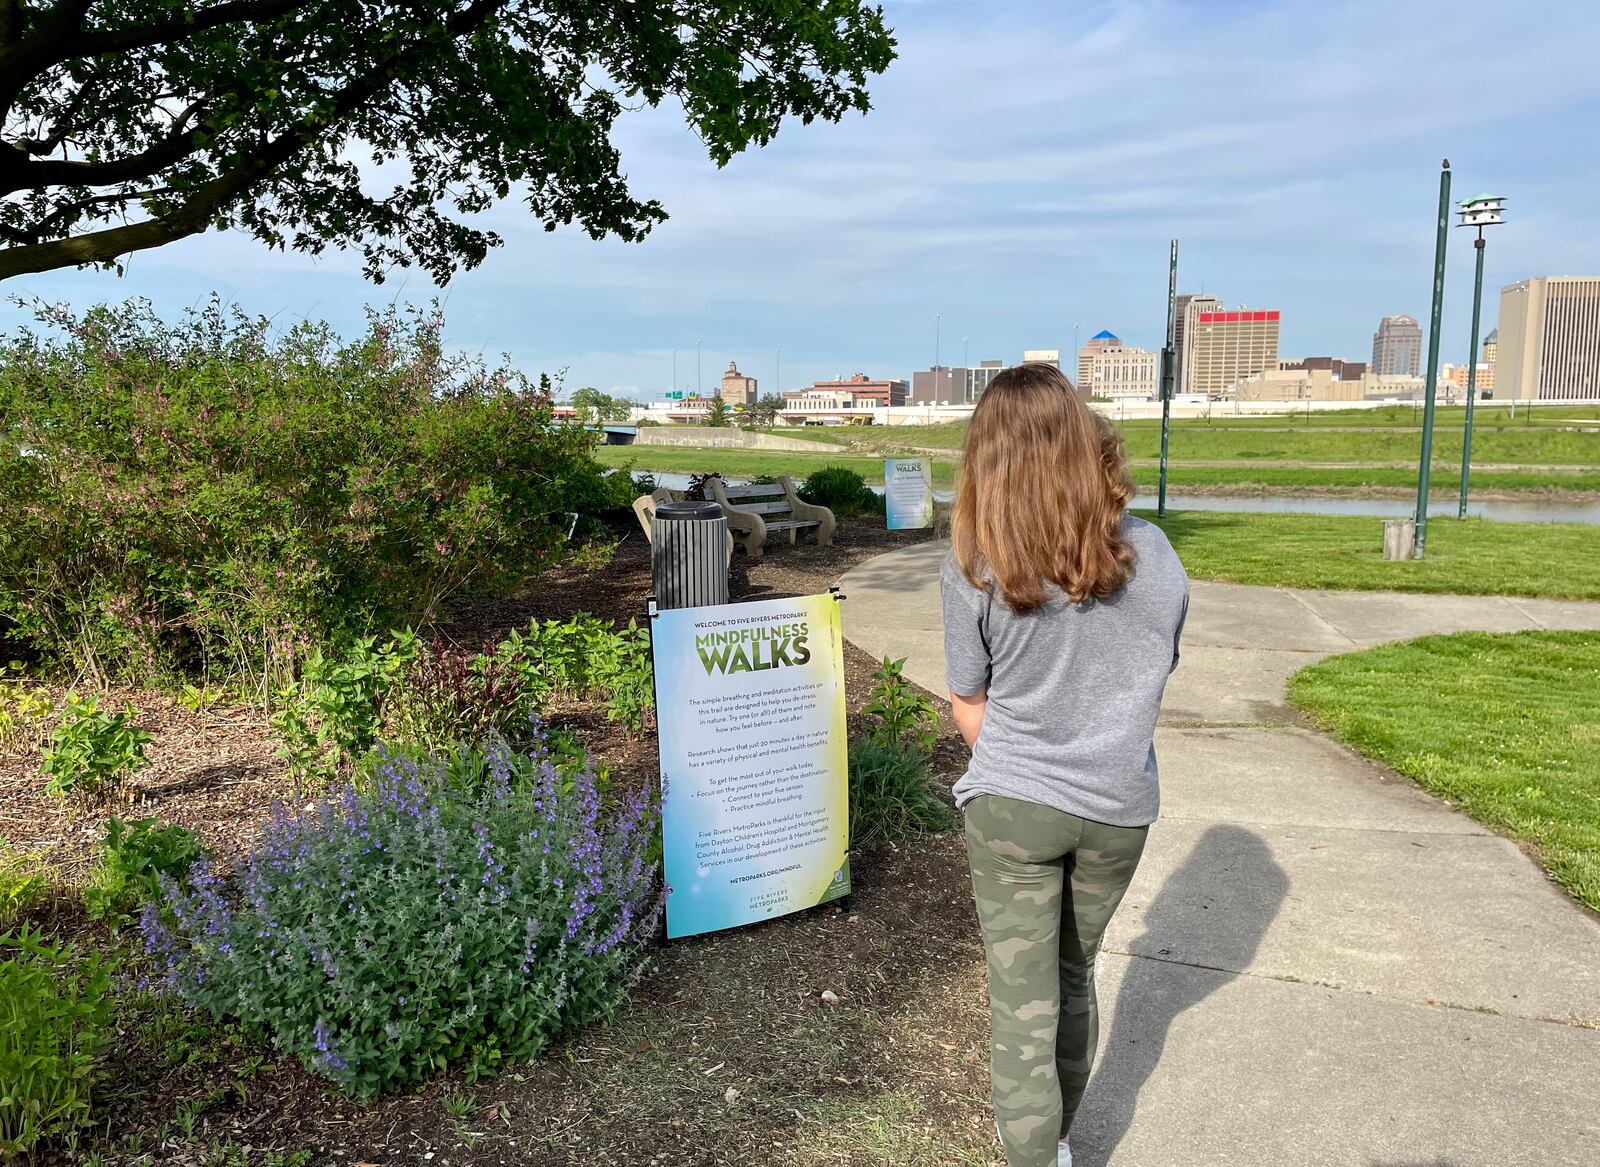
(1060,173)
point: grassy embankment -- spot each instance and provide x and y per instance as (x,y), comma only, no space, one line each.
(1505,727)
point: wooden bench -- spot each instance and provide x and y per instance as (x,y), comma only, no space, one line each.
(645,508)
(757,511)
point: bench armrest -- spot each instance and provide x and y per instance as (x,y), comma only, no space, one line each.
(802,509)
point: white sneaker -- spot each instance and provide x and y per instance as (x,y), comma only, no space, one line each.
(1064,1155)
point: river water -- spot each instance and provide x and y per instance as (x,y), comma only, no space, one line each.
(1531,511)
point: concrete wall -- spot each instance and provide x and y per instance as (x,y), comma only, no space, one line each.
(717,437)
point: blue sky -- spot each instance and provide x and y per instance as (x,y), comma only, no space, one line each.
(1021,173)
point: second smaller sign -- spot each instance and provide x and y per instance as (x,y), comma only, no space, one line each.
(908,493)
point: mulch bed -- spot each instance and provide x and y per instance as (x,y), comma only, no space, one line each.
(741,1010)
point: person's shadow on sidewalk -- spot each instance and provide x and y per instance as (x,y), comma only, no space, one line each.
(1217,906)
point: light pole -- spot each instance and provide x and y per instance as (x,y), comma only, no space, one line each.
(1480,212)
(936,343)
(1166,378)
(965,363)
(1431,385)
(697,369)
(673,387)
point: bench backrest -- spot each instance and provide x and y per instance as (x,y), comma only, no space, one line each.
(762,498)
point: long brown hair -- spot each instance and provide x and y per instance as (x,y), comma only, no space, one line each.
(1043,488)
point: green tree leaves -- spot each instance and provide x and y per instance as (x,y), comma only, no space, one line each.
(166,120)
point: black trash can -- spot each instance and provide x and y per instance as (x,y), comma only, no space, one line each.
(689,555)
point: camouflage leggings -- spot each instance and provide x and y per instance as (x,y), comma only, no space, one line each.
(1046,884)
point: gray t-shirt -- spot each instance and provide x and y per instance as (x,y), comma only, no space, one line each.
(1074,689)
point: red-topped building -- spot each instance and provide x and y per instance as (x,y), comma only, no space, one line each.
(1229,347)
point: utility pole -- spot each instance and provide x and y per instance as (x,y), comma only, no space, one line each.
(1431,385)
(936,342)
(1166,377)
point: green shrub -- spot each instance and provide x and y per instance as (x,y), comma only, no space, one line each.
(449,697)
(389,933)
(841,490)
(219,499)
(55,1013)
(331,718)
(23,884)
(585,657)
(91,750)
(901,715)
(133,858)
(891,798)
(23,710)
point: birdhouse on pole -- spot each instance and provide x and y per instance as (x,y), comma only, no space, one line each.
(1482,211)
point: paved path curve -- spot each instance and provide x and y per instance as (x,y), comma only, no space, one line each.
(1318,963)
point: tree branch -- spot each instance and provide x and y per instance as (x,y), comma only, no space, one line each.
(34,174)
(208,199)
(121,40)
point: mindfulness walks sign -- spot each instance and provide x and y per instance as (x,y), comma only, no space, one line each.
(755,786)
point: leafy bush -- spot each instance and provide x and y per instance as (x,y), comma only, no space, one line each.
(645,483)
(902,716)
(842,491)
(92,750)
(585,657)
(133,858)
(384,935)
(891,798)
(201,699)
(56,1012)
(699,488)
(218,498)
(23,885)
(448,697)
(23,710)
(334,714)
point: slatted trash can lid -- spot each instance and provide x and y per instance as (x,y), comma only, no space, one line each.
(678,511)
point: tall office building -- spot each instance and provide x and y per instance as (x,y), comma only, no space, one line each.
(1397,347)
(1100,340)
(1491,346)
(1548,341)
(1227,347)
(1187,307)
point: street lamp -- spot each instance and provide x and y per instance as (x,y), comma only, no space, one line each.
(1480,211)
(1431,385)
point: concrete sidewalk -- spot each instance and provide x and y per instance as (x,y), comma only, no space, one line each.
(1317,963)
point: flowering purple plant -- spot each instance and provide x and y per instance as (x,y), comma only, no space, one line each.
(387,932)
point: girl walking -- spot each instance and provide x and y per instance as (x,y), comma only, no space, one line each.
(1062,615)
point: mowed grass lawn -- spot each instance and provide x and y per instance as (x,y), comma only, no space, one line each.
(1507,727)
(1475,557)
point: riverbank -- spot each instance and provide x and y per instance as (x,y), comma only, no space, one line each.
(1246,479)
